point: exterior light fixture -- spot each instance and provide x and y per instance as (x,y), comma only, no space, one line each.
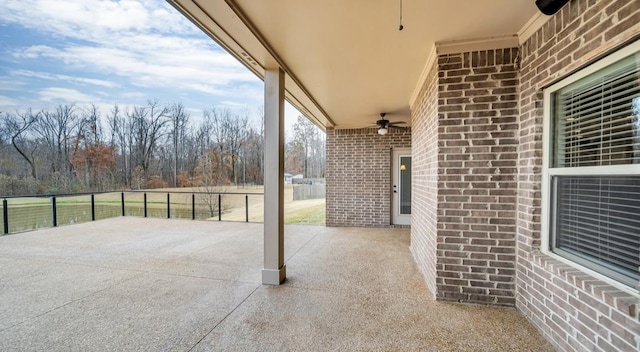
(550,7)
(382,131)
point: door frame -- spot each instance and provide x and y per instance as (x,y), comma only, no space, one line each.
(396,217)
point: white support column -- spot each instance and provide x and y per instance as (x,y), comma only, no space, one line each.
(274,271)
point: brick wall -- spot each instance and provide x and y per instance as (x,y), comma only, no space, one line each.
(467,114)
(358,174)
(478,143)
(424,144)
(575,311)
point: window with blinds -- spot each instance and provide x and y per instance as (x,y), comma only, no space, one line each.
(597,220)
(597,119)
(594,172)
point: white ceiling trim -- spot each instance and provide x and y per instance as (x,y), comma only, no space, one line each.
(431,59)
(533,25)
(476,44)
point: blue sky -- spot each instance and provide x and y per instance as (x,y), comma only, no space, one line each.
(126,52)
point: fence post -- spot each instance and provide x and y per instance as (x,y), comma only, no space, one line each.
(122,198)
(54,211)
(5,216)
(219,207)
(93,208)
(193,207)
(168,206)
(246,207)
(144,206)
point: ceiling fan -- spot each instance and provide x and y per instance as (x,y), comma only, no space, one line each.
(384,125)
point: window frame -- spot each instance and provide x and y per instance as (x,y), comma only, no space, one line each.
(547,204)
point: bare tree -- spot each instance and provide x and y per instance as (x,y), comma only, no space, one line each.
(93,160)
(148,125)
(307,149)
(179,121)
(57,130)
(16,126)
(209,177)
(122,138)
(253,152)
(66,148)
(236,139)
(229,133)
(218,129)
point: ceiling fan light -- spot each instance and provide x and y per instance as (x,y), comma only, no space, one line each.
(382,131)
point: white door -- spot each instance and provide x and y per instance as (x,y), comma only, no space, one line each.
(401,187)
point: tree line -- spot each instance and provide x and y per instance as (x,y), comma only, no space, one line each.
(73,149)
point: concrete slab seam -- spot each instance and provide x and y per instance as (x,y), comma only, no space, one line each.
(72,301)
(223,319)
(304,245)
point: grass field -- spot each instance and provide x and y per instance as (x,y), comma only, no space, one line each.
(26,214)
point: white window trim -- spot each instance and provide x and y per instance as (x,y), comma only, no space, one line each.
(547,173)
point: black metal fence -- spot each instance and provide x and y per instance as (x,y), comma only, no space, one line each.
(29,212)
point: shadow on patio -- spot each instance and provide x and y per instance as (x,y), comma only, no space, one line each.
(152,284)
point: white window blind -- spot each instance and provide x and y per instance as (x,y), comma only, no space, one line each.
(595,218)
(598,220)
(598,118)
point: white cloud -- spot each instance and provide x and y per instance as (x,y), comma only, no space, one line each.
(146,42)
(65,95)
(57,77)
(11,84)
(34,52)
(208,72)
(91,20)
(232,105)
(6,103)
(134,95)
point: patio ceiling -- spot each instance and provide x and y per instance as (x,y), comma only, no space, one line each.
(346,61)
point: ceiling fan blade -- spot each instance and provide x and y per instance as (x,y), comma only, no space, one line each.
(367,127)
(397,123)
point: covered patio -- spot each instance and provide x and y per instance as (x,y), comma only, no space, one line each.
(498,105)
(167,285)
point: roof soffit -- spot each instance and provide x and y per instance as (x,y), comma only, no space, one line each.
(348,57)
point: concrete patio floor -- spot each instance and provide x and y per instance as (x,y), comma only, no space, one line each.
(134,284)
